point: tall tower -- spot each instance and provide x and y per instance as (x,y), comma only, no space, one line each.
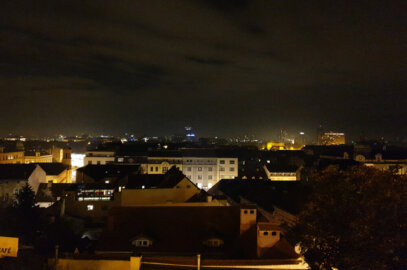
(189,134)
(66,157)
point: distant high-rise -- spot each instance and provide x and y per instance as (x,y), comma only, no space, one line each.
(189,134)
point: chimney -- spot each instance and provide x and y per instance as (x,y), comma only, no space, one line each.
(248,217)
(268,235)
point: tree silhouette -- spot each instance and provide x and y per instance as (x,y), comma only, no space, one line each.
(354,219)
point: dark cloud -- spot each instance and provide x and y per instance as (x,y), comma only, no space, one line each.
(224,67)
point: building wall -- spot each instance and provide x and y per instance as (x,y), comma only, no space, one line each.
(12,157)
(38,159)
(99,157)
(75,264)
(64,177)
(38,176)
(206,172)
(203,171)
(160,165)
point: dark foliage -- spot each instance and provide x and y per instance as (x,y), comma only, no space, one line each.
(354,219)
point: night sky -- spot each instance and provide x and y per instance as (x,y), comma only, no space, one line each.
(224,67)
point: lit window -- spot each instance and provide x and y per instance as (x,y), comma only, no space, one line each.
(90,207)
(209,185)
(143,187)
(199,185)
(107,182)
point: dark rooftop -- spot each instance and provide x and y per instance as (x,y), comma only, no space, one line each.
(16,171)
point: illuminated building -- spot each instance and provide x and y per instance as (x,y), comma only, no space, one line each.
(331,138)
(275,146)
(204,168)
(37,157)
(97,157)
(13,157)
(20,156)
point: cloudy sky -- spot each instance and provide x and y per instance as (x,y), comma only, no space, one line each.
(224,67)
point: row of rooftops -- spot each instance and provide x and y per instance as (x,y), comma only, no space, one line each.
(23,171)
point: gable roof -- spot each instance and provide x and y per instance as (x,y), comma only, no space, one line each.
(167,180)
(16,171)
(100,172)
(54,168)
(184,231)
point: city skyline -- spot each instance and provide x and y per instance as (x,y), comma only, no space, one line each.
(227,68)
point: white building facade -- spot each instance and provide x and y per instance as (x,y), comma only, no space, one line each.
(99,157)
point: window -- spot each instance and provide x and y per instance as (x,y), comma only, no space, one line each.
(199,185)
(90,207)
(273,233)
(231,162)
(189,169)
(156,169)
(209,169)
(222,169)
(251,211)
(213,242)
(222,161)
(199,169)
(107,182)
(199,177)
(245,211)
(232,169)
(265,233)
(209,177)
(151,169)
(189,176)
(142,243)
(165,169)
